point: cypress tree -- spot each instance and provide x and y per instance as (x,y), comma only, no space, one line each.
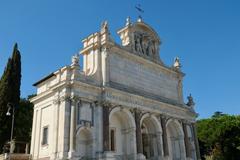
(9,93)
(16,76)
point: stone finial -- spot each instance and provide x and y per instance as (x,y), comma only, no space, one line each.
(75,60)
(104,26)
(177,63)
(190,102)
(139,19)
(128,21)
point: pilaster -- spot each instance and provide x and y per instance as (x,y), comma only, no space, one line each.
(34,133)
(64,126)
(138,116)
(56,103)
(196,141)
(98,129)
(159,144)
(164,129)
(186,140)
(73,123)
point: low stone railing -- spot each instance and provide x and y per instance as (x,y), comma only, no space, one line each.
(15,156)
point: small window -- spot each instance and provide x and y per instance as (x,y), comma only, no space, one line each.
(112,139)
(45,136)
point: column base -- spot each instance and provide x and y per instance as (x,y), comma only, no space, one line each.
(108,155)
(140,156)
(160,157)
(166,158)
(71,154)
(53,156)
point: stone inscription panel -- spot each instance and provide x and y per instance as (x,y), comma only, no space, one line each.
(143,78)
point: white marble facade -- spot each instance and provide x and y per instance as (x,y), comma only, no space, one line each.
(124,104)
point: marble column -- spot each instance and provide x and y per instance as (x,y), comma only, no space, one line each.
(165,141)
(186,140)
(159,143)
(151,144)
(106,110)
(72,129)
(196,141)
(138,131)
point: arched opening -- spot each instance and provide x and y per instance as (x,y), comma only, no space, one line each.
(151,137)
(175,140)
(84,143)
(122,134)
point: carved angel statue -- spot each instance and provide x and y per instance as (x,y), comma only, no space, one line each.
(151,48)
(190,102)
(177,63)
(138,43)
(75,59)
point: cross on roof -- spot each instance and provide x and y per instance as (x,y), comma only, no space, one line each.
(140,10)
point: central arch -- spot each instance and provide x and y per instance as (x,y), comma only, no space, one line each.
(84,143)
(175,140)
(151,136)
(122,133)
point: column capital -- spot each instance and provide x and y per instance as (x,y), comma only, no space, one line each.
(75,98)
(187,122)
(66,98)
(56,101)
(164,116)
(104,103)
(138,113)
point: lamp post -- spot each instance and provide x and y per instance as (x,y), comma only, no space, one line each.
(11,107)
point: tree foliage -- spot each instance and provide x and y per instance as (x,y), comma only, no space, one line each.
(23,120)
(219,136)
(9,92)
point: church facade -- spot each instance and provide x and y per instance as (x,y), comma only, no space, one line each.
(125,104)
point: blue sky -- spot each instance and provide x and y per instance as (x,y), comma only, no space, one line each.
(204,34)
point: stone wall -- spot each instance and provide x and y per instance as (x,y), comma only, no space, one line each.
(142,77)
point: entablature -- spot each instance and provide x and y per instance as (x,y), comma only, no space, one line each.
(142,103)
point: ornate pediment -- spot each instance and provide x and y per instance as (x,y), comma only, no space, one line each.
(140,39)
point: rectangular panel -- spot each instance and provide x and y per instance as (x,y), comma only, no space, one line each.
(141,77)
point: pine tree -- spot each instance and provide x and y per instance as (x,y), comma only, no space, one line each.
(9,93)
